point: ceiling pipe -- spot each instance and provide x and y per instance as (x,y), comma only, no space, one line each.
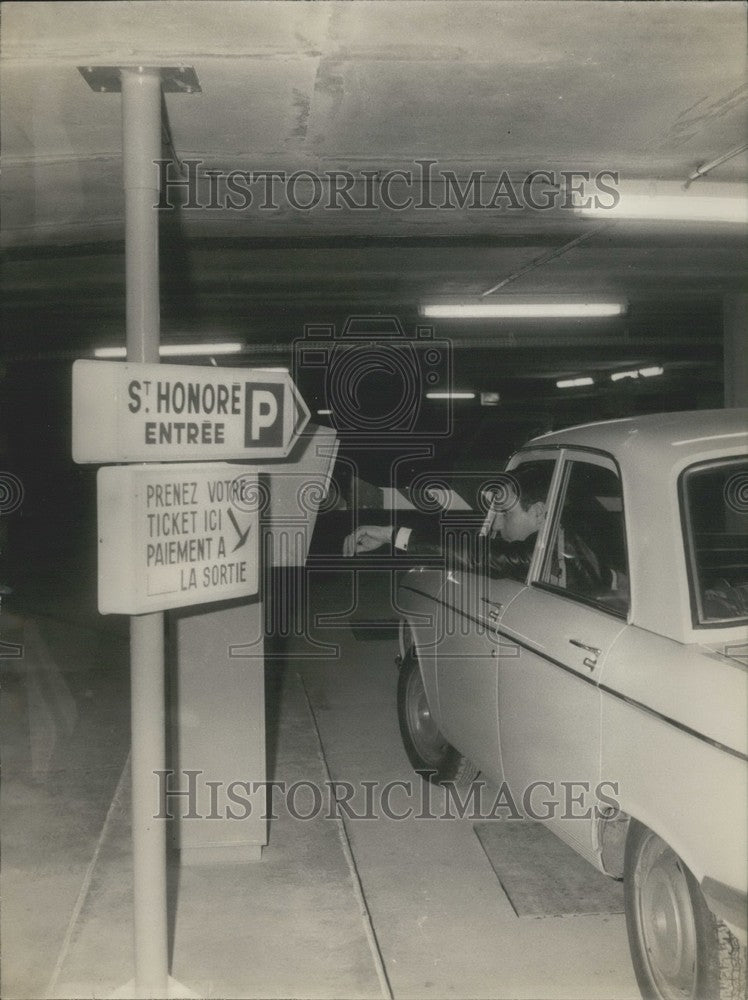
(706,167)
(545,258)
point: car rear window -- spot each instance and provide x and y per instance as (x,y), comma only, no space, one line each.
(714,500)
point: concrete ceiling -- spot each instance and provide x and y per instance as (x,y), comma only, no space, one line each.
(648,90)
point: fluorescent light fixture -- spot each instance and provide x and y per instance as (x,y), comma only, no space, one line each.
(669,201)
(522,310)
(324,413)
(572,383)
(646,372)
(175,350)
(450,395)
(489,399)
(110,352)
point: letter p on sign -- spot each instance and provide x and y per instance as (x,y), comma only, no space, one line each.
(263,407)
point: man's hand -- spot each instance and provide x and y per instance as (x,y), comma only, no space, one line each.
(366,538)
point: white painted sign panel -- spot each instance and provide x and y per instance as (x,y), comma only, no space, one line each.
(171,536)
(127,412)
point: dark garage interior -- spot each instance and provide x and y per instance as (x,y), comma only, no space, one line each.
(334,178)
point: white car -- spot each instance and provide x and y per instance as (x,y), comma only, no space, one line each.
(634,691)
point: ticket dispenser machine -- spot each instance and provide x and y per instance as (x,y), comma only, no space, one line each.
(213,786)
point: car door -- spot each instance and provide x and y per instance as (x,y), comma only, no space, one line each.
(469,647)
(563,624)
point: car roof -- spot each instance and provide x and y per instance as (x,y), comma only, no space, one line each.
(651,453)
(651,436)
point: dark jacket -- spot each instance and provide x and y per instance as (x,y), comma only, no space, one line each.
(497,557)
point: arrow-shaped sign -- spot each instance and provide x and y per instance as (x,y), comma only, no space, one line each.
(242,535)
(165,413)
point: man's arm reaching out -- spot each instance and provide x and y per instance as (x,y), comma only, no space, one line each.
(368,537)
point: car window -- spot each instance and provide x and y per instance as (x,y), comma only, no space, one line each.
(716,537)
(586,550)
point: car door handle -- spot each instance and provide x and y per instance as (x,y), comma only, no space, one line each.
(494,609)
(588,661)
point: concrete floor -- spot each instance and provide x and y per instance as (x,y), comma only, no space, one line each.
(362,908)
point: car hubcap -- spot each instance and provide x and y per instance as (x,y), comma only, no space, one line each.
(426,736)
(666,921)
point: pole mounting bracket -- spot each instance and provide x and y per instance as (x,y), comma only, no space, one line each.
(174,79)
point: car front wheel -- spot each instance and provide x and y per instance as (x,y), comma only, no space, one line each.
(680,951)
(430,753)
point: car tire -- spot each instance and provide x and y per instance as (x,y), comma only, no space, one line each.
(679,949)
(428,750)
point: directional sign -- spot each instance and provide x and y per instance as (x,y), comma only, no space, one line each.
(176,535)
(126,412)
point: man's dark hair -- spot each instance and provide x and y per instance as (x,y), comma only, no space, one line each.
(533,480)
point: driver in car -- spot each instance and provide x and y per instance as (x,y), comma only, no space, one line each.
(507,540)
(507,545)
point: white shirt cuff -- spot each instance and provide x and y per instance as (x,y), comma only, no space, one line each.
(402,538)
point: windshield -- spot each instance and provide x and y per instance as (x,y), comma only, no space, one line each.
(715,507)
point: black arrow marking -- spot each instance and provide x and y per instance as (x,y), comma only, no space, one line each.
(242,537)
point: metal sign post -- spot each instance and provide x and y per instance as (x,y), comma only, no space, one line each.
(141,147)
(171,535)
(141,88)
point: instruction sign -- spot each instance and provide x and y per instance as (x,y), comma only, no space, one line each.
(128,412)
(176,535)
